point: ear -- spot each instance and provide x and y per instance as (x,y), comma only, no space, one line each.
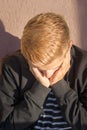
(71,43)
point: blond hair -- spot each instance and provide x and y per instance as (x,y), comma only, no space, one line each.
(45,37)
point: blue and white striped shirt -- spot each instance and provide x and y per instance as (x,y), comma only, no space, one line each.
(52,118)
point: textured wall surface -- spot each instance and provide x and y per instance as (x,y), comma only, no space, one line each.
(15,13)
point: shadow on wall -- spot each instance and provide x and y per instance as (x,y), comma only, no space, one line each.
(8,42)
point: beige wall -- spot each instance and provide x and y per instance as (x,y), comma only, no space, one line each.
(15,13)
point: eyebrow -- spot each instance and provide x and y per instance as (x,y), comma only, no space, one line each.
(59,66)
(51,68)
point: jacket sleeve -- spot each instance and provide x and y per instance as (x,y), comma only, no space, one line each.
(73,105)
(19,109)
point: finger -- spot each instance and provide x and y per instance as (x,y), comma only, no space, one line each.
(36,72)
(56,75)
(42,79)
(30,68)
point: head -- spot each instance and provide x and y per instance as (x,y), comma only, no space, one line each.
(45,40)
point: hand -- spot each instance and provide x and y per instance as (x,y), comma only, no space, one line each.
(40,77)
(60,73)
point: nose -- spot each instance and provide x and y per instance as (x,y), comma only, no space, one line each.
(48,73)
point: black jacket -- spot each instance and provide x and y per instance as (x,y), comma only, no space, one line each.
(22,96)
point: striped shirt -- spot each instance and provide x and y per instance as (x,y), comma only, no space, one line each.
(52,118)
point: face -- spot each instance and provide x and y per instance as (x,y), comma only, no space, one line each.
(49,69)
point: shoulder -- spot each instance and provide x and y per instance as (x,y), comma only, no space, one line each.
(16,61)
(79,64)
(79,56)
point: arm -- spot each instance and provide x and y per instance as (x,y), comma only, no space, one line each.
(74,107)
(73,102)
(19,109)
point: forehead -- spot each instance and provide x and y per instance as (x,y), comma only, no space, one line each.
(55,63)
(52,65)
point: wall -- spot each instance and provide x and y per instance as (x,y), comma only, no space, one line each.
(15,13)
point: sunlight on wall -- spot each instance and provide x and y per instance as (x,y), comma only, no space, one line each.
(15,14)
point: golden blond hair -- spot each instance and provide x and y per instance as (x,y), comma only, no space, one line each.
(45,37)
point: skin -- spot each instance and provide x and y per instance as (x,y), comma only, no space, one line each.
(51,73)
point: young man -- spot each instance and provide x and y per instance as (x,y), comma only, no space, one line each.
(44,87)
